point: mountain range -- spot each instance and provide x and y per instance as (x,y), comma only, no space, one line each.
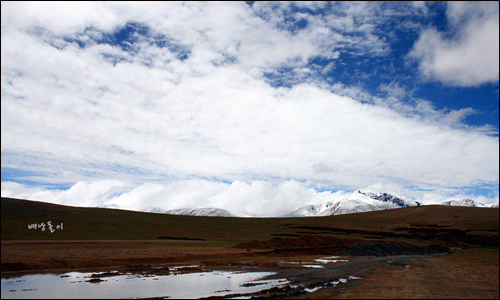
(206,211)
(357,202)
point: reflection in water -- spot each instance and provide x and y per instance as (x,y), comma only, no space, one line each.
(80,285)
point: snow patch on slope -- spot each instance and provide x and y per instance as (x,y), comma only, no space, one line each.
(463,202)
(205,211)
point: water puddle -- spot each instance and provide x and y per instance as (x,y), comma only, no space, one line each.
(313,289)
(313,266)
(334,283)
(330,259)
(321,260)
(179,285)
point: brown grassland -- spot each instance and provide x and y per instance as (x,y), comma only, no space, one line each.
(96,237)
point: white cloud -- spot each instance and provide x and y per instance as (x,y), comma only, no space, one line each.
(215,122)
(257,198)
(80,194)
(393,90)
(471,56)
(420,6)
(75,109)
(58,17)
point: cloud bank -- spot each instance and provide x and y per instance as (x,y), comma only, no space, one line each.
(260,198)
(257,199)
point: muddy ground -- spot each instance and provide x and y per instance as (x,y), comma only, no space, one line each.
(465,274)
(377,270)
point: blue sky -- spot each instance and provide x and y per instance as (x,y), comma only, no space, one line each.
(251,105)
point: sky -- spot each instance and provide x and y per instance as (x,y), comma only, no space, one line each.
(254,107)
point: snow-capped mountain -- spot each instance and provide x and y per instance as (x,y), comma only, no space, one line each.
(112,206)
(355,203)
(463,202)
(495,205)
(207,211)
(155,210)
(311,210)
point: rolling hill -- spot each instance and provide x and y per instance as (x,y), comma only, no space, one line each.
(430,223)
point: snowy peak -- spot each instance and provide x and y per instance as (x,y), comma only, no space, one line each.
(310,210)
(155,210)
(350,206)
(463,202)
(111,206)
(358,201)
(206,211)
(384,197)
(366,201)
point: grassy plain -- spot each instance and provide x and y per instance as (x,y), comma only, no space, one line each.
(98,237)
(424,223)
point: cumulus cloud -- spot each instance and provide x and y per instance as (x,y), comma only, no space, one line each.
(470,56)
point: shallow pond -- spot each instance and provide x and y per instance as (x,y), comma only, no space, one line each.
(189,286)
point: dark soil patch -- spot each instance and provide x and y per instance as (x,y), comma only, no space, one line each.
(386,249)
(95,280)
(188,270)
(14,266)
(179,238)
(302,242)
(105,274)
(286,234)
(482,238)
